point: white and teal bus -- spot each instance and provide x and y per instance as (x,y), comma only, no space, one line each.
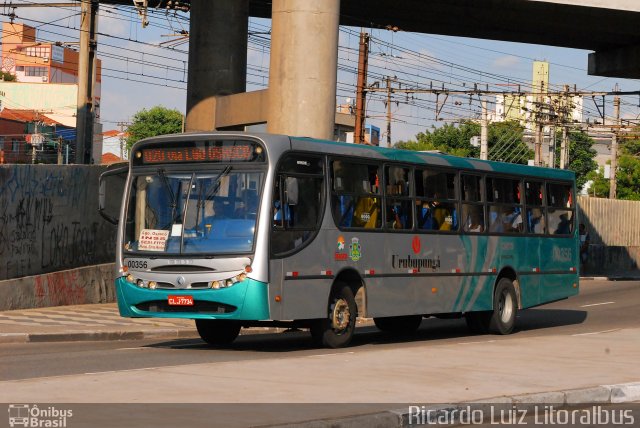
(239,230)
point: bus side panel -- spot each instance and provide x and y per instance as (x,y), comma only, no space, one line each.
(530,283)
(276,275)
(387,297)
(477,285)
(561,256)
(305,298)
(475,293)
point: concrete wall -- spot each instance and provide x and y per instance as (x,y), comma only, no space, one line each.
(49,220)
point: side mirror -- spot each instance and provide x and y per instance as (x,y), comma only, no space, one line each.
(111,187)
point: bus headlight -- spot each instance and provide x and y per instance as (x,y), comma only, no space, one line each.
(131,279)
(225,283)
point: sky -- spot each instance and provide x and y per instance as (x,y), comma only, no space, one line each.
(145,67)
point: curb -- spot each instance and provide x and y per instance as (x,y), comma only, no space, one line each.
(166,333)
(603,394)
(92,336)
(609,278)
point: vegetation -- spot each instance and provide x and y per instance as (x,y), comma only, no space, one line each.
(155,121)
(627,175)
(506,144)
(581,156)
(505,141)
(8,77)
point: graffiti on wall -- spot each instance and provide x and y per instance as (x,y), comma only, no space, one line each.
(49,220)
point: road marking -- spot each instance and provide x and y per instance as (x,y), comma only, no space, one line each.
(472,343)
(597,304)
(327,355)
(596,332)
(133,349)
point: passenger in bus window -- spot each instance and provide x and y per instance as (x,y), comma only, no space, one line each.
(474,224)
(424,215)
(564,227)
(443,217)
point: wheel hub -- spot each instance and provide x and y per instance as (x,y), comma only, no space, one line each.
(506,307)
(341,316)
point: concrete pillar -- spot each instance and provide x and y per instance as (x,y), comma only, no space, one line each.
(303,67)
(217,57)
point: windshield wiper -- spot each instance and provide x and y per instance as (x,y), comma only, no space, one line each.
(210,193)
(186,209)
(174,202)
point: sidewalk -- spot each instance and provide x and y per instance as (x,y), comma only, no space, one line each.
(86,322)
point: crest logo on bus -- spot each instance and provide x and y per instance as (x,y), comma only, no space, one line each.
(340,255)
(355,251)
(416,245)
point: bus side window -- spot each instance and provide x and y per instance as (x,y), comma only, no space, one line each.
(355,200)
(297,202)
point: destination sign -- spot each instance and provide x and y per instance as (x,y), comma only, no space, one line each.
(201,151)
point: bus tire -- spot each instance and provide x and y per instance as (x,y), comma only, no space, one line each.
(336,331)
(398,325)
(505,308)
(218,332)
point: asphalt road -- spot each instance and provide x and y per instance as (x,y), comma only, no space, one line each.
(601,306)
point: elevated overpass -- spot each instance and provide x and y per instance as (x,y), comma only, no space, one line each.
(217,58)
(608,27)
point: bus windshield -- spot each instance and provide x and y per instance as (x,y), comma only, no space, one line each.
(193,213)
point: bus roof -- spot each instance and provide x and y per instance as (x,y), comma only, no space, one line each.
(428,158)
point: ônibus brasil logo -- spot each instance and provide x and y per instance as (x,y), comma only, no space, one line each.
(27,415)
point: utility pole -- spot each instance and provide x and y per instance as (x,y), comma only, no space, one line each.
(614,149)
(539,135)
(86,79)
(552,147)
(484,132)
(564,121)
(388,81)
(122,139)
(564,148)
(363,62)
(59,150)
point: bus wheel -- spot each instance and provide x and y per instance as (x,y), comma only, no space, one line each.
(505,308)
(337,329)
(218,332)
(399,325)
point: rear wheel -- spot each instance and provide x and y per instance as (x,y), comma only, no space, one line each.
(505,308)
(336,331)
(399,325)
(218,332)
(502,318)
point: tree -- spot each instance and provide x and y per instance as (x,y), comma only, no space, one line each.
(505,141)
(599,184)
(628,172)
(581,156)
(450,139)
(156,121)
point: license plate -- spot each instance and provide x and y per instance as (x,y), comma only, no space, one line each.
(180,300)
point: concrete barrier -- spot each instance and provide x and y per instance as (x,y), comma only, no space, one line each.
(91,284)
